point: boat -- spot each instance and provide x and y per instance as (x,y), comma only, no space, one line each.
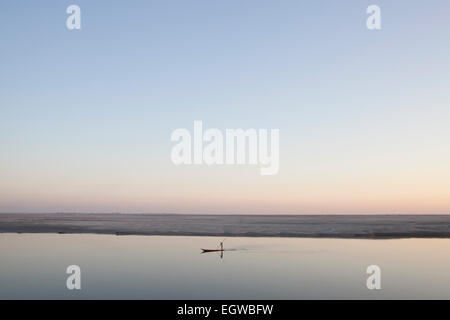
(220,249)
(213,250)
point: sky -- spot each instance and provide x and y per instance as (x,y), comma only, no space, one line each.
(86,115)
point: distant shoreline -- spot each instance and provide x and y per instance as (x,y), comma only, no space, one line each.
(293,226)
(225,214)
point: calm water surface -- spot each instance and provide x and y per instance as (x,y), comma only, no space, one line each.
(153,267)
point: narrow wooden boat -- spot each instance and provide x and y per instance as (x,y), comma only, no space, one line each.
(212,250)
(220,249)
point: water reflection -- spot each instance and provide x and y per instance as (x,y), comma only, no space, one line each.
(219,252)
(149,267)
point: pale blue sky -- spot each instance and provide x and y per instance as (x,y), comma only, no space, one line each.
(86,115)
